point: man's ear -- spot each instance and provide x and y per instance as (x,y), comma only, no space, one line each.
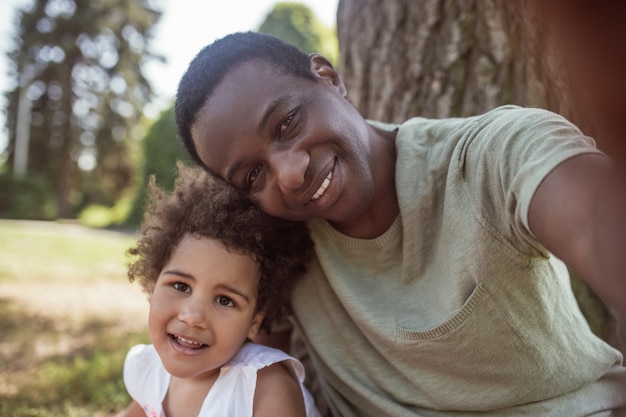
(256,324)
(324,70)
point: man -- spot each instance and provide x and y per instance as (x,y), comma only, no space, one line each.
(437,288)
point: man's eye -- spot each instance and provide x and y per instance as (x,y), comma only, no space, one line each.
(225,301)
(254,174)
(182,287)
(285,124)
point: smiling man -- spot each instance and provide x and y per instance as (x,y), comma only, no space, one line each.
(438,287)
(290,152)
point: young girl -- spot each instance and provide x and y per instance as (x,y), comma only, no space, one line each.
(216,270)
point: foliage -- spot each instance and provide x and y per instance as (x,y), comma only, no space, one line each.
(96,216)
(77,73)
(292,22)
(102,216)
(161,149)
(26,197)
(297,24)
(99,216)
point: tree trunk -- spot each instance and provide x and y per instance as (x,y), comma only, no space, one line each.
(63,183)
(443,58)
(434,58)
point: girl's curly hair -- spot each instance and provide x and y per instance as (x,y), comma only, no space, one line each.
(203,205)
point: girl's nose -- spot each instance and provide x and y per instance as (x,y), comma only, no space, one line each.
(195,314)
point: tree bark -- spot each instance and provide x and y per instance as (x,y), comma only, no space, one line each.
(434,58)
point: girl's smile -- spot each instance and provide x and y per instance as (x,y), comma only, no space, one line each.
(186,347)
(203,307)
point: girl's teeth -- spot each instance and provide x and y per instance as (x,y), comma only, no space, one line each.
(188,341)
(323,187)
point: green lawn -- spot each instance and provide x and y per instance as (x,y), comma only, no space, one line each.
(67,318)
(60,252)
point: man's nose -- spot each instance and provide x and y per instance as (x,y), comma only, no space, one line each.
(289,168)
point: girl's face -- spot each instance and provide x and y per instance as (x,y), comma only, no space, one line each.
(202,308)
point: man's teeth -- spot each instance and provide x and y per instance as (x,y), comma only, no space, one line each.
(323,187)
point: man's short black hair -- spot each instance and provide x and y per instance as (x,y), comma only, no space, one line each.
(214,61)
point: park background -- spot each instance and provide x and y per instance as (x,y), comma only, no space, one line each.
(68,314)
(87,92)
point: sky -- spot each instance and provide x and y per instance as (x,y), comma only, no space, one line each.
(184,28)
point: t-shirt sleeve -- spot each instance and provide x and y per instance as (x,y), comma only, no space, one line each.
(506,155)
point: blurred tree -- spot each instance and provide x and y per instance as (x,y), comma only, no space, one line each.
(26,197)
(443,58)
(292,22)
(297,24)
(78,95)
(160,151)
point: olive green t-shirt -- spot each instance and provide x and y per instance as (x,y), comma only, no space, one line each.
(457,310)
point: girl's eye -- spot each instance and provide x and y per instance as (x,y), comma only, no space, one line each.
(254,174)
(225,301)
(182,287)
(285,124)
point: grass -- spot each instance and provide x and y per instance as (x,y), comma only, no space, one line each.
(61,252)
(68,317)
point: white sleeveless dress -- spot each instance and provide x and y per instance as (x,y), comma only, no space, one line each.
(232,395)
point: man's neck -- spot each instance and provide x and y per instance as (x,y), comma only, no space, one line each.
(376,221)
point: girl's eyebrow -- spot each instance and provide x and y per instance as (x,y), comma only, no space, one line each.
(179,273)
(236,291)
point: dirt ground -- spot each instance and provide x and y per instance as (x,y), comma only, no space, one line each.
(44,320)
(105,299)
(73,300)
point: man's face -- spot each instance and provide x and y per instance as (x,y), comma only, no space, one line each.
(297,148)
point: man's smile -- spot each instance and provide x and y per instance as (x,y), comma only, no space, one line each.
(320,191)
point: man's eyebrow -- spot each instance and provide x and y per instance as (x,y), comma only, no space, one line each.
(230,171)
(271,107)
